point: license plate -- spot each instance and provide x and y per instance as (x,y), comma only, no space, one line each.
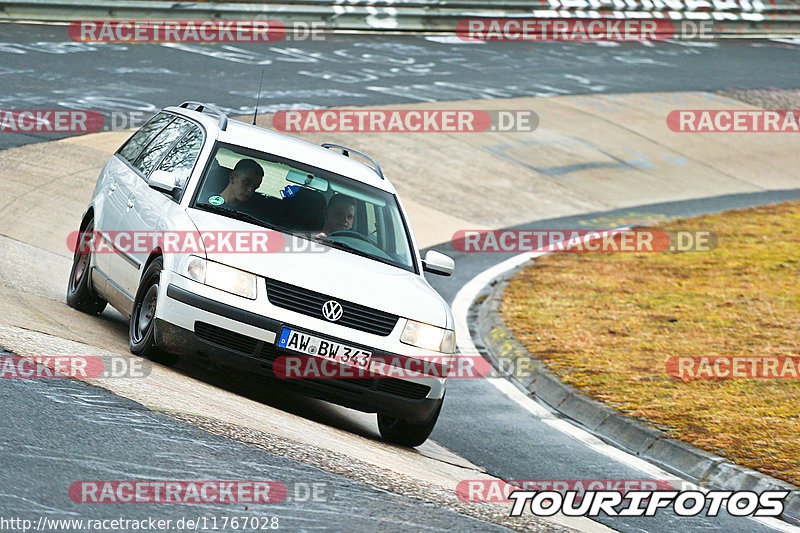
(334,351)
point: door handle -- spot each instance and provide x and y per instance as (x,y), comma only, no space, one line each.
(112,188)
(130,203)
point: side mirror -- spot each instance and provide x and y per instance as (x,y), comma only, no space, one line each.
(438,263)
(163,181)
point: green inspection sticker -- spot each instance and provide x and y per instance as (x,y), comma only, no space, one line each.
(216,200)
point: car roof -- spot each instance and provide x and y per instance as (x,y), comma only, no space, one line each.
(259,138)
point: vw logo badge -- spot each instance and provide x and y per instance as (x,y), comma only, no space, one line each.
(332,310)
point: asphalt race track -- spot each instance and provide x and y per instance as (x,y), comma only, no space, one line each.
(67,431)
(80,432)
(42,69)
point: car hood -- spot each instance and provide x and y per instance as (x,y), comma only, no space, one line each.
(333,272)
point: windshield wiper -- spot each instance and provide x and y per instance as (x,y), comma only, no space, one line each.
(244,217)
(346,247)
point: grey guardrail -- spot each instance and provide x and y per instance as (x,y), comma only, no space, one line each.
(728,18)
(491,336)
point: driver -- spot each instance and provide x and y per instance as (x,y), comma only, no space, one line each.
(339,215)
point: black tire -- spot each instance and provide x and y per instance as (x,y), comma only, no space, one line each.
(80,294)
(142,325)
(399,431)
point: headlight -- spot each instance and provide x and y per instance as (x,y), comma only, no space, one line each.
(428,337)
(222,277)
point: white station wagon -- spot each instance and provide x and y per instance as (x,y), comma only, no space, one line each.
(345,287)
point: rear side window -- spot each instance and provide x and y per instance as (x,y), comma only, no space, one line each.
(139,140)
(159,146)
(181,159)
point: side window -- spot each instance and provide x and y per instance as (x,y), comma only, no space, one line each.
(159,146)
(139,140)
(180,160)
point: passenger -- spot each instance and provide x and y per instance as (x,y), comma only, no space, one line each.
(339,215)
(243,181)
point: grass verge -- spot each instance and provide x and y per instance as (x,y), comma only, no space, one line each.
(608,323)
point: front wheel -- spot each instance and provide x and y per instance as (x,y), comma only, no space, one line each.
(399,431)
(141,329)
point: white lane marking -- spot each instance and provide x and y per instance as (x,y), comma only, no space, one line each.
(780,525)
(787,41)
(450,39)
(564,426)
(461,303)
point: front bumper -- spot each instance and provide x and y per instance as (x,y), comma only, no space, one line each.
(192,324)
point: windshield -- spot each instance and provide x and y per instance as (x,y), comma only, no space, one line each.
(306,201)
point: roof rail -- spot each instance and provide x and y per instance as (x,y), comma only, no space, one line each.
(200,106)
(346,152)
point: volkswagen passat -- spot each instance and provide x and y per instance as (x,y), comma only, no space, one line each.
(271,254)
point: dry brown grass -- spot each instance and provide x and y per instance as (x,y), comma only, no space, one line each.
(607,323)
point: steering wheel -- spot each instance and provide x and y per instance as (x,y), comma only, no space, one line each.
(349,233)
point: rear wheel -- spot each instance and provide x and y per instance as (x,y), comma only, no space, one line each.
(141,329)
(80,294)
(399,431)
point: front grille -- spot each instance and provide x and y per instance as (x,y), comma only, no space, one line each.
(405,389)
(310,303)
(225,338)
(397,387)
(269,353)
